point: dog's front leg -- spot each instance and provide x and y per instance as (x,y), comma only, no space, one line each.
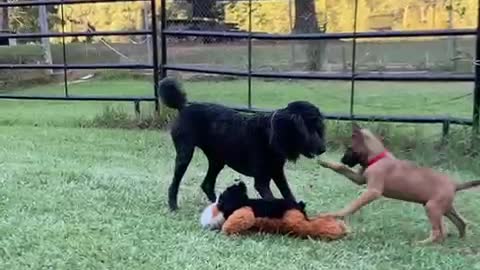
(262,185)
(364,199)
(282,185)
(373,192)
(354,176)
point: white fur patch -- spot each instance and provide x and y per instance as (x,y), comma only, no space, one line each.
(209,220)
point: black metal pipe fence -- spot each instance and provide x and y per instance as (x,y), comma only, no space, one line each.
(65,66)
(160,66)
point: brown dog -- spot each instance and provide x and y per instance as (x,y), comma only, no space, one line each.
(398,179)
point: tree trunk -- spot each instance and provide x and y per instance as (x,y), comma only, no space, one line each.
(305,17)
(306,22)
(43,20)
(4,17)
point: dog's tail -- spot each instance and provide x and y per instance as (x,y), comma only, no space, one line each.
(172,94)
(467,185)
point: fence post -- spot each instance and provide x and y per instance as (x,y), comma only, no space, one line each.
(155,47)
(249,79)
(136,105)
(476,91)
(64,51)
(163,39)
(445,130)
(354,57)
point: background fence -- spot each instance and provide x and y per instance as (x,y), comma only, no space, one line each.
(354,51)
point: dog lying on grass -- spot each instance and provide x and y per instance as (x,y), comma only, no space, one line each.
(254,145)
(393,178)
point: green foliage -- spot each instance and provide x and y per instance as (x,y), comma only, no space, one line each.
(25,20)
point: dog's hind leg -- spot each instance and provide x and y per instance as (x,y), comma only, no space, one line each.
(458,221)
(184,151)
(208,184)
(434,213)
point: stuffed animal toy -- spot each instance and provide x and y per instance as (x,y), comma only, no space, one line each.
(235,213)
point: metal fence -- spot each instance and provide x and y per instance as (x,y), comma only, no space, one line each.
(161,66)
(155,67)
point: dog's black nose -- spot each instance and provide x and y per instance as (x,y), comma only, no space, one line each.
(320,150)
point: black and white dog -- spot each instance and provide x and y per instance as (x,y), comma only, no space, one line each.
(254,145)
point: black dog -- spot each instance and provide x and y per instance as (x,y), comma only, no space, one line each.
(236,197)
(253,145)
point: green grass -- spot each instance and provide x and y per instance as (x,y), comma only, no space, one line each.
(332,97)
(74,198)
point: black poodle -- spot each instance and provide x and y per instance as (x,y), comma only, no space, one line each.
(236,197)
(254,145)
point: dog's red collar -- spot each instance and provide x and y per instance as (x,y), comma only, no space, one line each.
(377,158)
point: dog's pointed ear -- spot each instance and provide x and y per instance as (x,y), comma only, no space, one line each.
(356,131)
(355,127)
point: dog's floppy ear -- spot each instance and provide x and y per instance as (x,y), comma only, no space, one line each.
(288,134)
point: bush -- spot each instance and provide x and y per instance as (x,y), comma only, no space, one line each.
(117,117)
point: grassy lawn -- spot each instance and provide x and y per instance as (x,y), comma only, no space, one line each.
(75,198)
(387,98)
(79,198)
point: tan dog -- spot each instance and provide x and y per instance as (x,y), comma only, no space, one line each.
(399,179)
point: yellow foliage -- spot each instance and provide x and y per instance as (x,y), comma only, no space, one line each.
(372,15)
(104,17)
(278,16)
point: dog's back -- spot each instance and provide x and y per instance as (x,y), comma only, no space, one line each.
(222,133)
(406,181)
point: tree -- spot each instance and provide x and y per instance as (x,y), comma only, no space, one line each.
(306,22)
(25,20)
(305,17)
(4,17)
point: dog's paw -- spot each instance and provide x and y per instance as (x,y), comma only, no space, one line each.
(330,214)
(324,164)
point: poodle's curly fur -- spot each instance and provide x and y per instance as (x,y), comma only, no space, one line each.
(255,145)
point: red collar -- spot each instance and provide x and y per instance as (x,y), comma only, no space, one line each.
(377,158)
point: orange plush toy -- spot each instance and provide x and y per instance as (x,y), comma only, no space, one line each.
(235,213)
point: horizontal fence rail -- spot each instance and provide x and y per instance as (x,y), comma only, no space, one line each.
(342,76)
(319,36)
(377,118)
(80,98)
(75,34)
(75,66)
